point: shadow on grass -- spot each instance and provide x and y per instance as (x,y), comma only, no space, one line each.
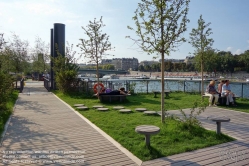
(241,106)
(135,100)
(153,152)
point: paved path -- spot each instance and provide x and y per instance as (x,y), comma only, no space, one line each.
(232,153)
(42,122)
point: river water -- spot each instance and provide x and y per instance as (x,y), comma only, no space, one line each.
(241,89)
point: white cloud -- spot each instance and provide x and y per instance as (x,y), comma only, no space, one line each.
(10,20)
(247,40)
(238,51)
(229,48)
(40,8)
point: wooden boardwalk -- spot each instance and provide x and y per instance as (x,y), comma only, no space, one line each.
(44,129)
(232,153)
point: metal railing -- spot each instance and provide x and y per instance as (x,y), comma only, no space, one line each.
(148,86)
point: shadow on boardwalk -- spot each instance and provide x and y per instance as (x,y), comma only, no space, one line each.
(42,124)
(46,131)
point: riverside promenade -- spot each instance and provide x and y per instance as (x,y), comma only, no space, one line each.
(44,130)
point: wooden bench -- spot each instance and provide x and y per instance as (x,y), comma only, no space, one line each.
(111,98)
(166,92)
(222,99)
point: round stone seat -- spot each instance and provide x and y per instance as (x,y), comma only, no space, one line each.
(218,121)
(147,130)
(118,107)
(82,108)
(125,111)
(141,109)
(98,106)
(150,112)
(78,105)
(103,109)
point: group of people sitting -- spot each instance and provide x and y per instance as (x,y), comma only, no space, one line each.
(121,91)
(224,89)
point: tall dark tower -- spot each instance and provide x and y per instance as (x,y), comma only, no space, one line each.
(57,43)
(52,55)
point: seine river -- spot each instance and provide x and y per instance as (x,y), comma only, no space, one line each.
(241,89)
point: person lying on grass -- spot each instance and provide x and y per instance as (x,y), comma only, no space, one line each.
(121,91)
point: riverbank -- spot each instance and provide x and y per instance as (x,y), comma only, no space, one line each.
(236,76)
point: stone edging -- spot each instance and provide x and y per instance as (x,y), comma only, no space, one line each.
(115,143)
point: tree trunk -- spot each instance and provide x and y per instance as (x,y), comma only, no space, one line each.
(162,64)
(97,72)
(202,82)
(162,87)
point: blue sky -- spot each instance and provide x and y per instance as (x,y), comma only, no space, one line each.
(31,18)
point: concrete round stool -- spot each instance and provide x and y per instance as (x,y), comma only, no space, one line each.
(103,109)
(147,130)
(118,107)
(98,106)
(218,121)
(125,111)
(78,105)
(141,109)
(82,108)
(150,112)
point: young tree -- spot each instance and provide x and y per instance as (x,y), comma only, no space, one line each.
(159,26)
(40,55)
(199,39)
(97,44)
(210,60)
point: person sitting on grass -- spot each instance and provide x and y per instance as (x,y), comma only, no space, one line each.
(212,93)
(226,91)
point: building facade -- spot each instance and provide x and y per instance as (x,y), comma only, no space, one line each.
(122,63)
(149,63)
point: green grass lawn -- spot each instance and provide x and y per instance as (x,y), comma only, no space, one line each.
(5,114)
(174,136)
(242,105)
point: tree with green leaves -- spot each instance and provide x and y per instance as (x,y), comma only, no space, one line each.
(199,40)
(40,56)
(210,60)
(159,26)
(245,59)
(96,45)
(66,70)
(18,54)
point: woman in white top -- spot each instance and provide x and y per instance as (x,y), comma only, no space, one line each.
(226,91)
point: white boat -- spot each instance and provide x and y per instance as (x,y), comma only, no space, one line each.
(111,76)
(247,80)
(142,77)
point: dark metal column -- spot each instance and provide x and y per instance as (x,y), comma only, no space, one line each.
(58,46)
(52,55)
(59,39)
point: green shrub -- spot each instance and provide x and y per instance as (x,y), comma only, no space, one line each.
(6,88)
(65,73)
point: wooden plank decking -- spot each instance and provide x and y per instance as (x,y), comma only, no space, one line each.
(218,155)
(41,122)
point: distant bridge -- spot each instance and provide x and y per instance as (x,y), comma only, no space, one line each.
(93,71)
